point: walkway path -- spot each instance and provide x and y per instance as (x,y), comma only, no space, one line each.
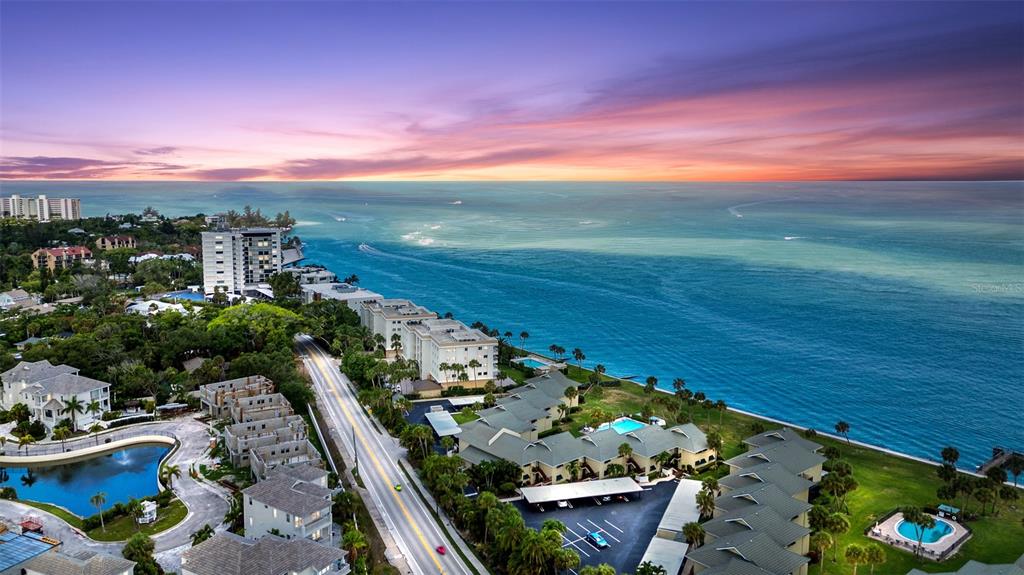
(207,503)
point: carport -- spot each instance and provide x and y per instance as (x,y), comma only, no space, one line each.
(580,490)
(443,423)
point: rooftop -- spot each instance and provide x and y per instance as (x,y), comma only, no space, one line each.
(230,554)
(15,549)
(580,490)
(81,563)
(289,495)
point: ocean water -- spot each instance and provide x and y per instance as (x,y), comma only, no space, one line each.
(897,307)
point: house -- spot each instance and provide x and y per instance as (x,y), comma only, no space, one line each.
(47,389)
(60,258)
(289,508)
(148,512)
(115,242)
(760,523)
(216,398)
(230,554)
(311,275)
(153,307)
(79,563)
(16,298)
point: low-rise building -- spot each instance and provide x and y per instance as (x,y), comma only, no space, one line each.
(289,508)
(385,317)
(449,352)
(241,438)
(264,460)
(230,554)
(116,242)
(16,298)
(55,259)
(47,390)
(80,563)
(311,275)
(352,295)
(260,407)
(153,306)
(217,398)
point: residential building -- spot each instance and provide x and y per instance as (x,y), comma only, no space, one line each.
(55,259)
(264,460)
(260,407)
(115,242)
(439,345)
(352,295)
(386,317)
(217,398)
(533,407)
(153,307)
(288,508)
(238,261)
(301,472)
(760,523)
(311,275)
(80,563)
(230,554)
(41,208)
(16,298)
(241,438)
(46,389)
(973,567)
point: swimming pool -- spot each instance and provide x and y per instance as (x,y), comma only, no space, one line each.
(622,425)
(912,531)
(185,294)
(530,362)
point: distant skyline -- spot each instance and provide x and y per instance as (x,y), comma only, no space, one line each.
(512,91)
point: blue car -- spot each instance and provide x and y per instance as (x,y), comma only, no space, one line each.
(597,540)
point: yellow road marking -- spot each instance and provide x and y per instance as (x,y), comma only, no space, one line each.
(380,468)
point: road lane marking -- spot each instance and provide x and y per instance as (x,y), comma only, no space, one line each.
(317,360)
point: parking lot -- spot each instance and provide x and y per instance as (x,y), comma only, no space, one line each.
(626,527)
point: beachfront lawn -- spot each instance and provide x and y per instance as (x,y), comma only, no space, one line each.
(124,527)
(886,481)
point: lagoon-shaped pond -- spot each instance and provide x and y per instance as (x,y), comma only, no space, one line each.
(121,475)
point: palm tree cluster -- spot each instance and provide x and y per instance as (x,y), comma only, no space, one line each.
(991,489)
(828,517)
(871,554)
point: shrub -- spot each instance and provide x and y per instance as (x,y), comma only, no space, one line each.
(8,493)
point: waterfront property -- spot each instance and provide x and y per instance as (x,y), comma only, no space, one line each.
(42,208)
(230,554)
(238,261)
(936,543)
(352,295)
(81,563)
(439,345)
(311,275)
(760,522)
(288,507)
(241,438)
(55,259)
(532,408)
(977,568)
(121,475)
(386,317)
(48,389)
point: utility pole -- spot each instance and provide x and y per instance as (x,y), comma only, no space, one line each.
(355,450)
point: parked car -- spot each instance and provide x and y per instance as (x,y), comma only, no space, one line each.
(597,540)
(564,504)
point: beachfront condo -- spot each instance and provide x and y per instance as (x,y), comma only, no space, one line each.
(41,209)
(240,260)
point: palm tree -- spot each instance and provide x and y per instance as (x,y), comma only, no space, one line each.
(843,428)
(573,468)
(169,473)
(25,441)
(1016,465)
(715,442)
(19,412)
(523,336)
(444,367)
(354,542)
(447,443)
(625,451)
(650,384)
(837,525)
(61,434)
(134,510)
(855,555)
(94,408)
(73,406)
(821,542)
(204,533)
(711,484)
(678,384)
(874,556)
(950,455)
(614,470)
(563,411)
(922,522)
(98,501)
(95,430)
(706,503)
(721,407)
(579,356)
(3,444)
(474,364)
(571,393)
(694,533)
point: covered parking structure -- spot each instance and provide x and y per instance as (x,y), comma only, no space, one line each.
(666,553)
(580,490)
(443,423)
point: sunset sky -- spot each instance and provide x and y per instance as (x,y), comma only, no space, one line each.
(513,91)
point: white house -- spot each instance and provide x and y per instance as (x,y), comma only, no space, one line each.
(148,512)
(436,342)
(230,554)
(46,389)
(288,507)
(309,275)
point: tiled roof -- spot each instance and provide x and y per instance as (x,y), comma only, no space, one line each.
(229,554)
(757,518)
(754,547)
(291,496)
(793,457)
(31,372)
(773,473)
(81,563)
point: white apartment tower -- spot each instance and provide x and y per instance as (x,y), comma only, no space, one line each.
(42,208)
(237,260)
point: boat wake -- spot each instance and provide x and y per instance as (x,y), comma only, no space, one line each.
(788,238)
(368,249)
(735,210)
(456,203)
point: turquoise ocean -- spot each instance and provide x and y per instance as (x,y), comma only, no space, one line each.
(898,307)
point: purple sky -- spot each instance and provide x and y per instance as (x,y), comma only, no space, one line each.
(631,91)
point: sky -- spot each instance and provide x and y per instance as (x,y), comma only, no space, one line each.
(651,91)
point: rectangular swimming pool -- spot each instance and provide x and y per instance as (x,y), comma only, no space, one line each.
(622,425)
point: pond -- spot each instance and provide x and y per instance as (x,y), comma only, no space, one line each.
(121,475)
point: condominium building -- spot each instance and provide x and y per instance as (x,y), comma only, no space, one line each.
(353,296)
(46,389)
(444,349)
(289,508)
(217,398)
(41,208)
(310,275)
(230,554)
(237,261)
(241,438)
(115,242)
(55,259)
(386,317)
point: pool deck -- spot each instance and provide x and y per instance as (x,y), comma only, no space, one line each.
(885,532)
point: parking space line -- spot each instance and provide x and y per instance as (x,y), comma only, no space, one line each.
(614,526)
(603,530)
(573,544)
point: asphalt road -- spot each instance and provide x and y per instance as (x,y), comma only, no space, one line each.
(408,519)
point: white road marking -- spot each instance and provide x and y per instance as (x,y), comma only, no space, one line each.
(614,526)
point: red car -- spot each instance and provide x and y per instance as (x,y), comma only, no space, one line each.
(441,549)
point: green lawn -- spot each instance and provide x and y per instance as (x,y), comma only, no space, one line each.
(886,481)
(71,518)
(124,527)
(461,418)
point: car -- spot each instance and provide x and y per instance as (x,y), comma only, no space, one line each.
(441,549)
(606,498)
(597,540)
(398,487)
(564,504)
